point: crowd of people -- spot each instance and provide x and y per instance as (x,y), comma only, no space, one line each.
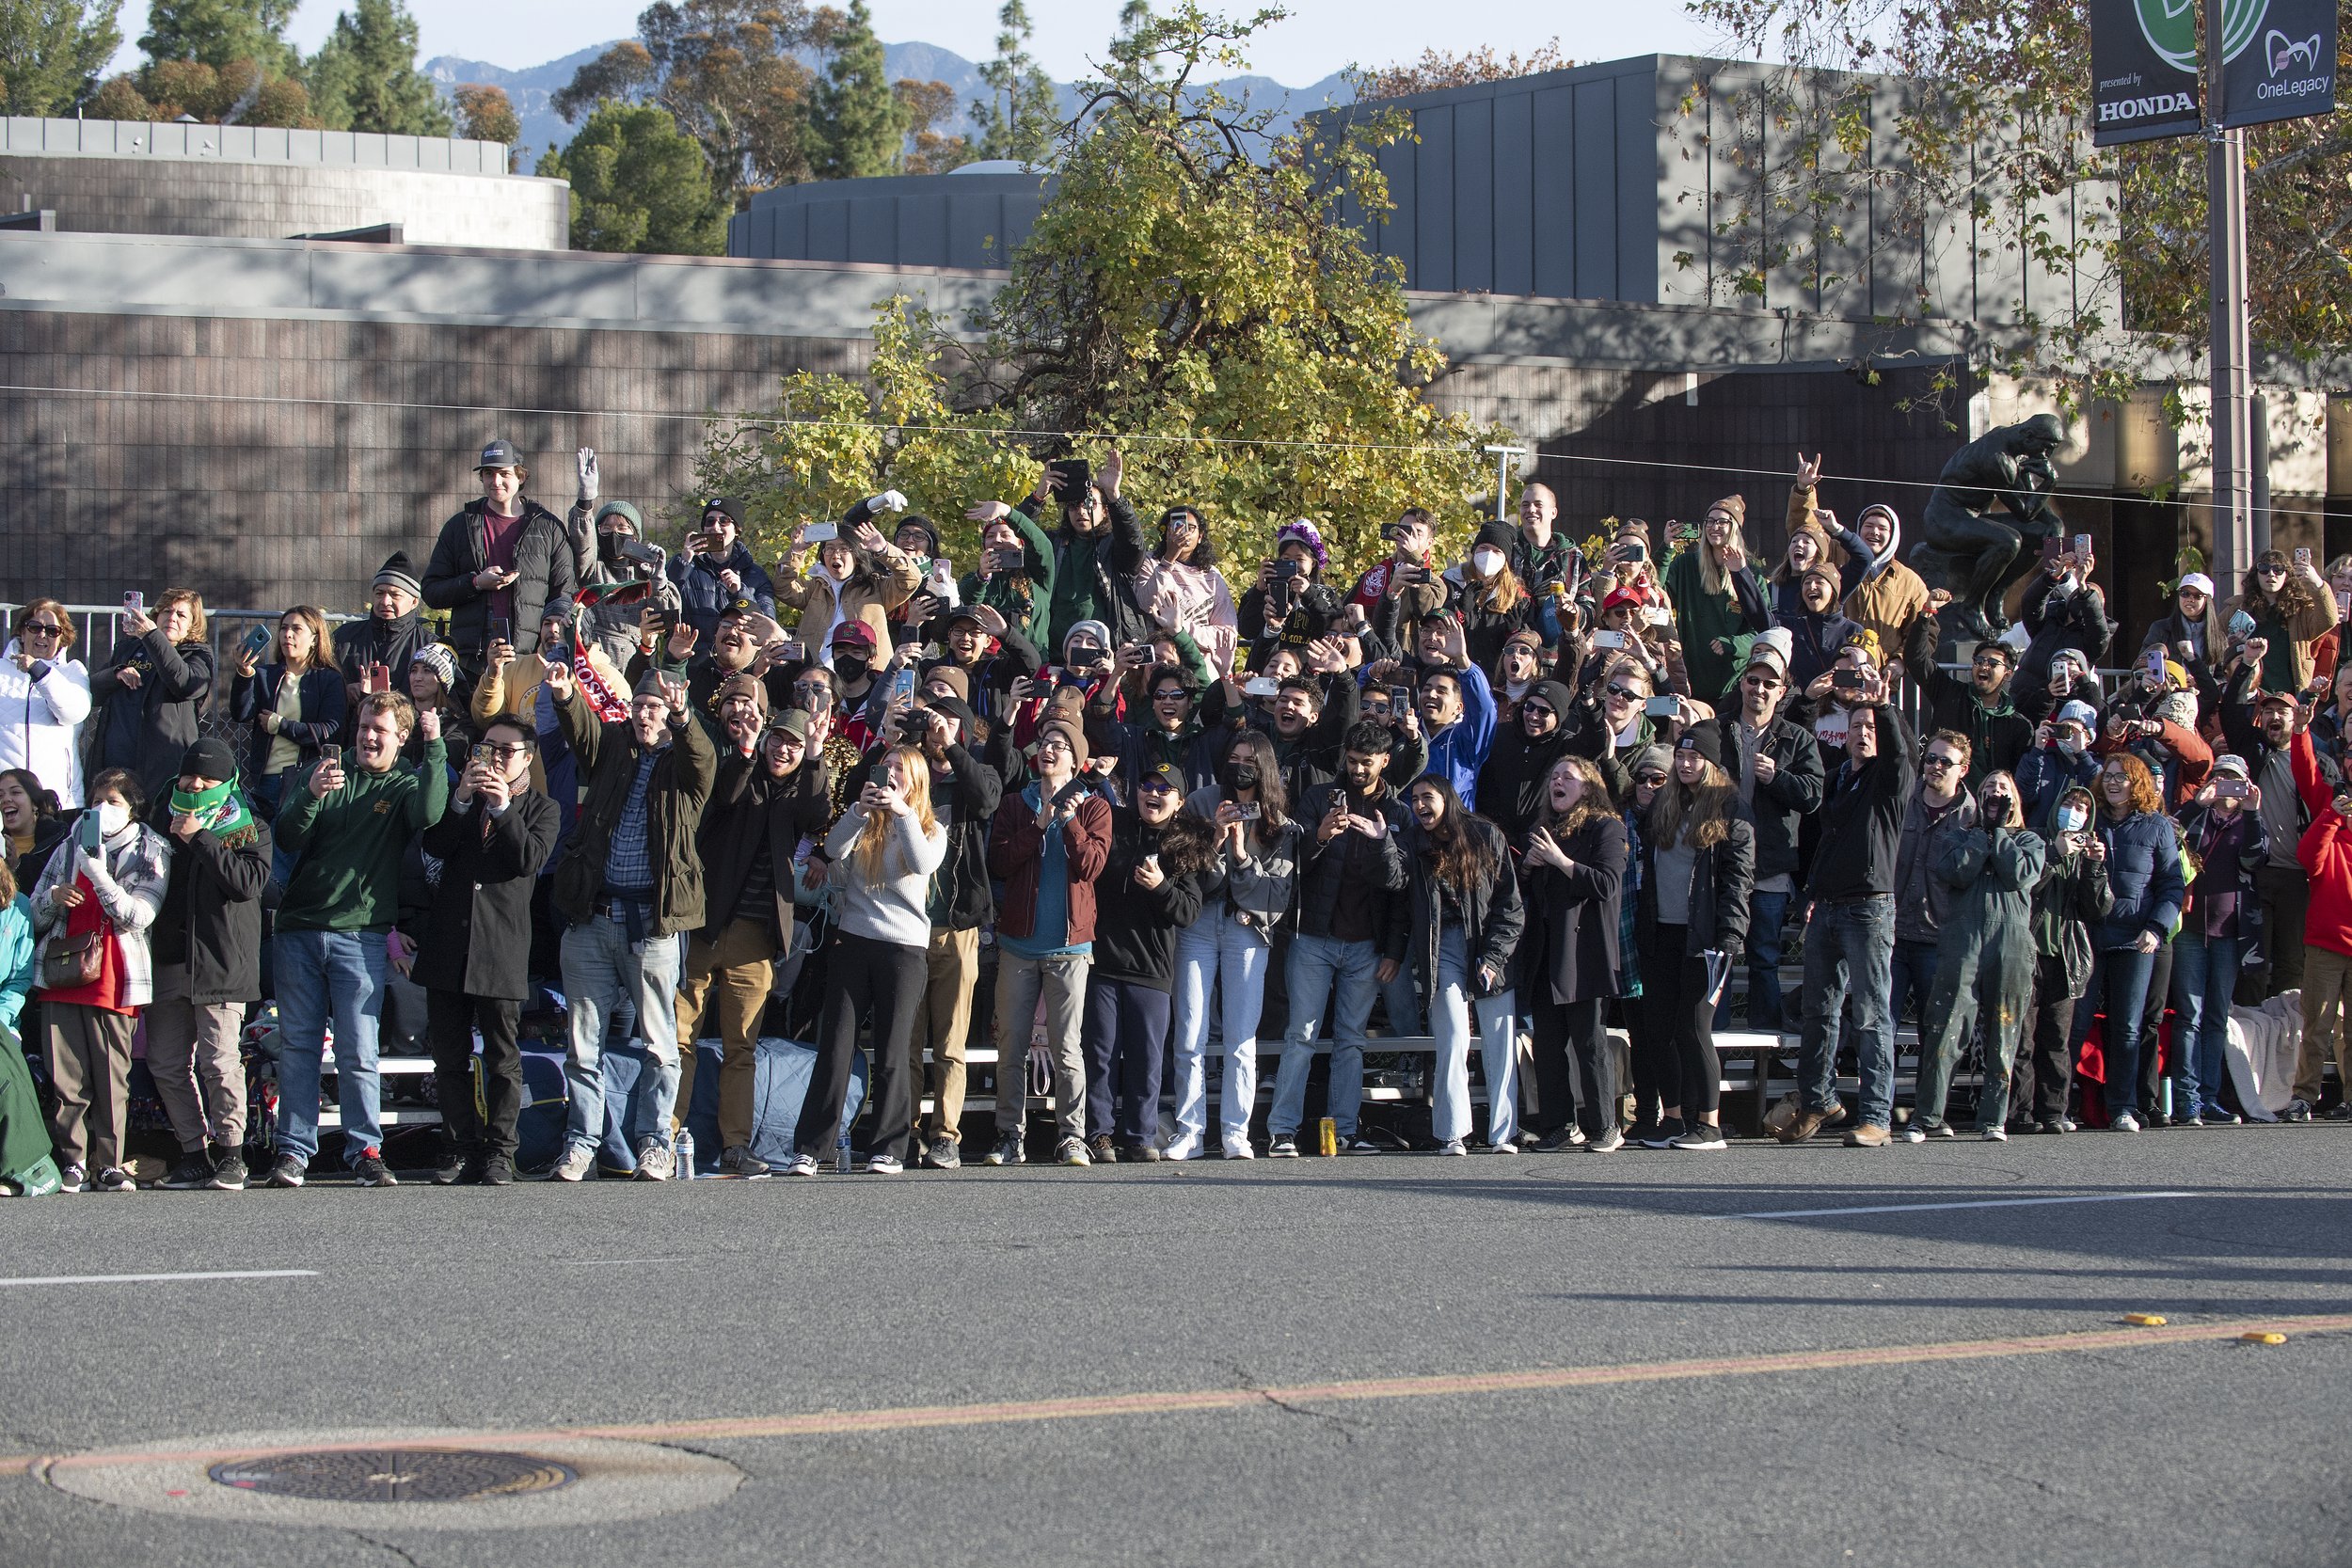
(1086,800)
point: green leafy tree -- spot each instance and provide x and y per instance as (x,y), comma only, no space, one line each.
(51,50)
(220,32)
(365,76)
(238,93)
(726,73)
(930,152)
(638,185)
(1189,296)
(857,123)
(484,113)
(1018,119)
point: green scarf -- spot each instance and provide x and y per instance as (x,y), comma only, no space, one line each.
(220,809)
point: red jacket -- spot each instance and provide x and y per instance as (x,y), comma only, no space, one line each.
(1016,848)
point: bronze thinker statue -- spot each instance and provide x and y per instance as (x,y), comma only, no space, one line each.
(1969,550)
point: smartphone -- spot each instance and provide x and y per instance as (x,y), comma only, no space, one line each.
(1608,640)
(377,677)
(88,826)
(2344,604)
(2050,549)
(1633,552)
(256,638)
(1007,561)
(2303,556)
(135,602)
(486,756)
(2156,662)
(1653,616)
(1068,477)
(820,533)
(2229,789)
(1286,567)
(503,630)
(2082,546)
(1662,708)
(1846,680)
(1250,810)
(1261,686)
(1399,697)
(902,684)
(796,653)
(643,554)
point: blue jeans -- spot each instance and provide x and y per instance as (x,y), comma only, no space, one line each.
(1450,1007)
(2204,972)
(1222,963)
(1849,950)
(2119,988)
(322,975)
(1403,1001)
(1318,965)
(1766,912)
(602,972)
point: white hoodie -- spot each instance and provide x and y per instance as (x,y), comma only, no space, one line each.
(41,722)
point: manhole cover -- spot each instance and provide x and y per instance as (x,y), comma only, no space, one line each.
(396,1475)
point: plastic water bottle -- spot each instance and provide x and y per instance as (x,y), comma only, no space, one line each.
(841,1155)
(684,1145)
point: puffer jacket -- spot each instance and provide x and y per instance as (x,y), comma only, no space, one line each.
(543,568)
(1492,915)
(2144,872)
(701,594)
(41,711)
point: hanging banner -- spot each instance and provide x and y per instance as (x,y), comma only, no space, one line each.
(2143,70)
(2278,61)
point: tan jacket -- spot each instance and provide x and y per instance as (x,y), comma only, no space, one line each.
(872,604)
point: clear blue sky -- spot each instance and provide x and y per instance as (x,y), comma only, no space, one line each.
(1320,37)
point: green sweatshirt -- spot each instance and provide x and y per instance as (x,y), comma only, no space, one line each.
(350,844)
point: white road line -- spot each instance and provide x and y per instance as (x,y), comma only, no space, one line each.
(1922,1208)
(150,1278)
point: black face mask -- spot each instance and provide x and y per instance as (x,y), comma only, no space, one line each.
(851,667)
(1241,775)
(609,546)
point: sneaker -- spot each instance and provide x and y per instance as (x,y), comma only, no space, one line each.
(453,1170)
(75,1179)
(2070,1124)
(498,1171)
(2299,1109)
(740,1161)
(2053,1129)
(2125,1122)
(1915,1133)
(1139,1154)
(1238,1148)
(2195,1118)
(1101,1150)
(2340,1111)
(1643,1130)
(1359,1145)
(1700,1136)
(228,1172)
(1505,1146)
(803,1165)
(1071,1151)
(1868,1135)
(885,1165)
(1553,1143)
(578,1163)
(1182,1149)
(655,1161)
(1664,1135)
(289,1171)
(1608,1143)
(2215,1117)
(1282,1148)
(370,1171)
(1009,1151)
(114,1179)
(192,1172)
(1942,1130)
(943,1154)
(1453,1145)
(1994,1134)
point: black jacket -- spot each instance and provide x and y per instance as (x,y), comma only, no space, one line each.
(753,813)
(1511,784)
(544,576)
(2078,620)
(324,711)
(1378,864)
(1794,792)
(1862,817)
(210,918)
(150,727)
(1135,927)
(1721,880)
(1492,916)
(391,643)
(1569,951)
(477,939)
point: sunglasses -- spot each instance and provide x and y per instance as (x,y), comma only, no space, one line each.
(45,628)
(1174,694)
(1938,762)
(1629,696)
(1535,710)
(1653,781)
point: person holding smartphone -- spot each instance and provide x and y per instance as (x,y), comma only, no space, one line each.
(1015,574)
(1182,590)
(296,704)
(610,550)
(152,689)
(715,568)
(2223,830)
(2068,902)
(387,636)
(501,557)
(2064,608)
(1716,597)
(1457,931)
(1575,956)
(44,697)
(858,578)
(2291,607)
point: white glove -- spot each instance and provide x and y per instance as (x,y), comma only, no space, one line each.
(889,501)
(587,473)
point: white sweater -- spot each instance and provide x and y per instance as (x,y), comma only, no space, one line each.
(894,909)
(41,722)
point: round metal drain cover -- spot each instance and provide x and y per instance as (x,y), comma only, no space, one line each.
(396,1475)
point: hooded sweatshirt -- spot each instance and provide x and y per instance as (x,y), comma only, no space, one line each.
(1892,594)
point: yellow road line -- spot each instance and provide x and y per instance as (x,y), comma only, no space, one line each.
(1175,1401)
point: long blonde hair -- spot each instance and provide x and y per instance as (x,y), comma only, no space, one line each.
(1706,809)
(873,840)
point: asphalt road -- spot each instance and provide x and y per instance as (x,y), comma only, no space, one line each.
(620,1306)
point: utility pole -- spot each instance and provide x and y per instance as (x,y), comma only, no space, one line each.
(1503,457)
(2230,355)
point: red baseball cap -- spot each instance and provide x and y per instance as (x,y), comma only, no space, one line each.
(853,634)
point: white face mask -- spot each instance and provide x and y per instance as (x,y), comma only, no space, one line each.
(113,817)
(2069,748)
(2072,819)
(1488,562)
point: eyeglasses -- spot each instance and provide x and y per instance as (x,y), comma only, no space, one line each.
(1991,664)
(1536,711)
(1630,696)
(1939,762)
(503,752)
(1045,746)
(44,628)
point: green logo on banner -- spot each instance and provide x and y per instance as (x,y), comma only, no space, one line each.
(2171,29)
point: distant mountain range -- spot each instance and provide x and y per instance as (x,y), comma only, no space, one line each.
(532,88)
